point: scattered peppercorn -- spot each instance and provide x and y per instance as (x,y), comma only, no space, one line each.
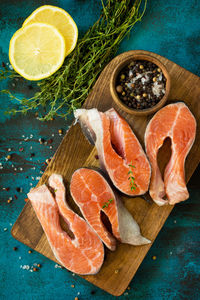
(15,248)
(15,196)
(35,269)
(93,292)
(8,157)
(72,285)
(7,189)
(119,89)
(3,64)
(21,149)
(41,140)
(32,154)
(154,257)
(50,141)
(39,265)
(96,156)
(29,251)
(30,87)
(18,189)
(128,288)
(9,200)
(48,160)
(60,131)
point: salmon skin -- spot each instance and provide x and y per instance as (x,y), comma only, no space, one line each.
(119,151)
(176,122)
(84,254)
(92,193)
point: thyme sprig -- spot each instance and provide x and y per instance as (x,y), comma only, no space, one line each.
(133,185)
(67,89)
(106,204)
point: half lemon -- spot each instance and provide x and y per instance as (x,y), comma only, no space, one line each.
(37,50)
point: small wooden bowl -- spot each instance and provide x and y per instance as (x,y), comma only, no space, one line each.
(120,66)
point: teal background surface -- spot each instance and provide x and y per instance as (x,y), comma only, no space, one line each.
(170,28)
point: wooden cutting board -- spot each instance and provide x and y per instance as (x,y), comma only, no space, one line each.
(74,152)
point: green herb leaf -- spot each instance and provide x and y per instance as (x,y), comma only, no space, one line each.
(133,185)
(106,204)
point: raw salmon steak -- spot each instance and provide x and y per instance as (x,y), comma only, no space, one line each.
(176,122)
(83,254)
(92,193)
(120,152)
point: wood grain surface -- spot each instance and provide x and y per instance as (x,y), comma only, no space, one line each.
(74,152)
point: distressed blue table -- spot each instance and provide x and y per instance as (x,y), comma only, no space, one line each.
(171,269)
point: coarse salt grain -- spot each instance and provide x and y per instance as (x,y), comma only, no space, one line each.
(52,134)
(57,266)
(21,169)
(38,178)
(31,184)
(5,229)
(23,136)
(9,149)
(31,147)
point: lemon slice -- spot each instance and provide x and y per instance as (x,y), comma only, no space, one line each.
(59,18)
(37,51)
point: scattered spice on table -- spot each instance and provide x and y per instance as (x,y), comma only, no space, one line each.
(35,269)
(154,257)
(141,84)
(72,285)
(29,251)
(15,248)
(8,157)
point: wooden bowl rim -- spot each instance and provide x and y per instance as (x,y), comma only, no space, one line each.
(125,62)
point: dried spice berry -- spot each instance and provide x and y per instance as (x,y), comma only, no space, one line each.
(141,84)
